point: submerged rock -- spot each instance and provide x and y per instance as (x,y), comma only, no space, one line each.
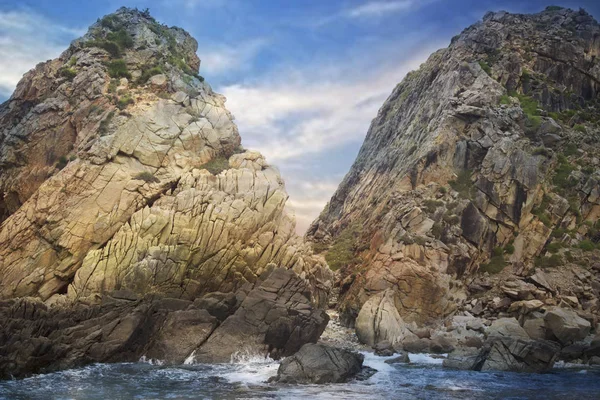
(317,363)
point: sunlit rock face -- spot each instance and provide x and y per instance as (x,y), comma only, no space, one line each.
(121,170)
(483,161)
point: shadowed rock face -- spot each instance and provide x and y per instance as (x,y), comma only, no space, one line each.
(121,169)
(276,317)
(470,165)
(317,363)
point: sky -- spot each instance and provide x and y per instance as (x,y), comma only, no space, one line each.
(304,78)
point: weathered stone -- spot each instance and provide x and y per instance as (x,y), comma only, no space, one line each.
(384,349)
(566,325)
(275,319)
(518,355)
(452,145)
(462,359)
(403,358)
(506,328)
(317,363)
(535,328)
(417,346)
(379,320)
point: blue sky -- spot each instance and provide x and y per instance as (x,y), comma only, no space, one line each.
(304,78)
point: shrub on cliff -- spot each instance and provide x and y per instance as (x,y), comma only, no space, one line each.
(121,38)
(118,69)
(216,165)
(343,250)
(146,177)
(68,73)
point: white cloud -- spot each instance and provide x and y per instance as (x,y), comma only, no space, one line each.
(296,114)
(227,58)
(379,8)
(27,38)
(192,4)
(307,200)
(372,10)
(310,112)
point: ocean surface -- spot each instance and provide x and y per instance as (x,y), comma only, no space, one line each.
(247,378)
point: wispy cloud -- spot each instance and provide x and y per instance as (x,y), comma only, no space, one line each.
(227,58)
(299,113)
(27,38)
(307,200)
(372,10)
(192,4)
(379,8)
(305,115)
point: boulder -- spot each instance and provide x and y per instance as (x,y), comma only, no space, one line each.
(506,327)
(180,334)
(517,355)
(525,306)
(535,328)
(318,363)
(403,358)
(159,81)
(441,345)
(277,317)
(417,345)
(463,359)
(384,349)
(379,320)
(566,325)
(573,351)
(594,347)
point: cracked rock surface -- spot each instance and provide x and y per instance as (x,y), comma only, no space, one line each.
(154,196)
(133,223)
(479,175)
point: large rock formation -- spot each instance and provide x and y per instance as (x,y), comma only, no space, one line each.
(122,177)
(481,166)
(35,338)
(111,181)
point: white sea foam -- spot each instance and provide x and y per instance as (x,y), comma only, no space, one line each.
(143,359)
(426,359)
(190,359)
(249,369)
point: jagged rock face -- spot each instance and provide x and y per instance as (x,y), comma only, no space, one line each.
(121,170)
(470,164)
(35,338)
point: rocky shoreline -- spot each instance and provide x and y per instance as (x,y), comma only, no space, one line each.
(467,228)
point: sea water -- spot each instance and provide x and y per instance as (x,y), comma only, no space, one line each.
(246,378)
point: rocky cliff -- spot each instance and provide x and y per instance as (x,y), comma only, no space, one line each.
(122,177)
(477,187)
(122,169)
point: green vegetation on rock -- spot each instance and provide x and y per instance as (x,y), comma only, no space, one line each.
(121,38)
(344,248)
(68,73)
(463,184)
(149,73)
(485,66)
(553,261)
(124,101)
(146,177)
(216,165)
(118,69)
(496,263)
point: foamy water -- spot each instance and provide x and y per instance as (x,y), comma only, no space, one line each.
(246,377)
